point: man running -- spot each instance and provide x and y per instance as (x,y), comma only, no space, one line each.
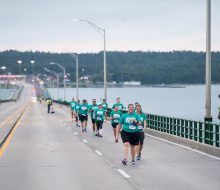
(115,115)
(118,104)
(141,129)
(99,117)
(72,109)
(104,104)
(92,109)
(129,123)
(83,115)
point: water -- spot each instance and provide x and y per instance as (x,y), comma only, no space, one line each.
(188,103)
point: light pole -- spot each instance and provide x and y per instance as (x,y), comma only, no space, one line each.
(74,56)
(19,63)
(64,75)
(32,66)
(57,77)
(104,55)
(208,116)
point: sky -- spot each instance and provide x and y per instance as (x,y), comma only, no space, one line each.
(131,25)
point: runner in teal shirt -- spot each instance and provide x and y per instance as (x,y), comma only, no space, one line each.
(118,104)
(104,105)
(129,123)
(77,114)
(92,109)
(141,131)
(83,115)
(99,117)
(72,109)
(115,116)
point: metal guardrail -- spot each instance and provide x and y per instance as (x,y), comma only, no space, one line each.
(207,133)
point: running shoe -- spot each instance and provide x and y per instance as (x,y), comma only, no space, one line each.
(124,162)
(85,130)
(132,162)
(100,136)
(139,156)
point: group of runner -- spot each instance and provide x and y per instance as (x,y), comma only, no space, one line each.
(130,125)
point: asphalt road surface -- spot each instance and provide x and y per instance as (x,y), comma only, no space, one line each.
(48,152)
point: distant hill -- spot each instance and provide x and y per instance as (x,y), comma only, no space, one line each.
(148,67)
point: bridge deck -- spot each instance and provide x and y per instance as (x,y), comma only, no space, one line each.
(48,152)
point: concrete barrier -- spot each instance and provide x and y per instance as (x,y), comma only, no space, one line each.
(185,142)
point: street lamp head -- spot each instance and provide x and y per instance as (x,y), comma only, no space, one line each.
(52,63)
(3,67)
(19,61)
(32,61)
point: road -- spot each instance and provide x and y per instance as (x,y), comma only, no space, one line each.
(48,152)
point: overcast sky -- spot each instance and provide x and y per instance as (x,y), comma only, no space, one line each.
(160,25)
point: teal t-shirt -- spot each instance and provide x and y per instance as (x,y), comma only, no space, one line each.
(127,121)
(83,109)
(104,106)
(115,116)
(142,118)
(77,107)
(92,108)
(72,105)
(120,106)
(99,114)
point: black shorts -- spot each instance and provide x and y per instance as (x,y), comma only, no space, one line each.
(93,121)
(114,125)
(132,138)
(99,124)
(83,118)
(141,138)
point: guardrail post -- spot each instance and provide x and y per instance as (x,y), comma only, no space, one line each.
(214,135)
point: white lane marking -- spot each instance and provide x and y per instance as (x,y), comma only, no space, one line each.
(124,174)
(85,141)
(98,152)
(188,148)
(75,133)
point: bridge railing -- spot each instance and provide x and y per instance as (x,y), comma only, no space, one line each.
(207,133)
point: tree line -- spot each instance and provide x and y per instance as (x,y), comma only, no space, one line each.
(182,67)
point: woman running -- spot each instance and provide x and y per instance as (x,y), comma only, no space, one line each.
(115,115)
(119,104)
(72,109)
(77,112)
(141,129)
(92,109)
(99,117)
(129,123)
(83,115)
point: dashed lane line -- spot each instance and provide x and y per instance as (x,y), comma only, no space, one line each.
(98,152)
(123,173)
